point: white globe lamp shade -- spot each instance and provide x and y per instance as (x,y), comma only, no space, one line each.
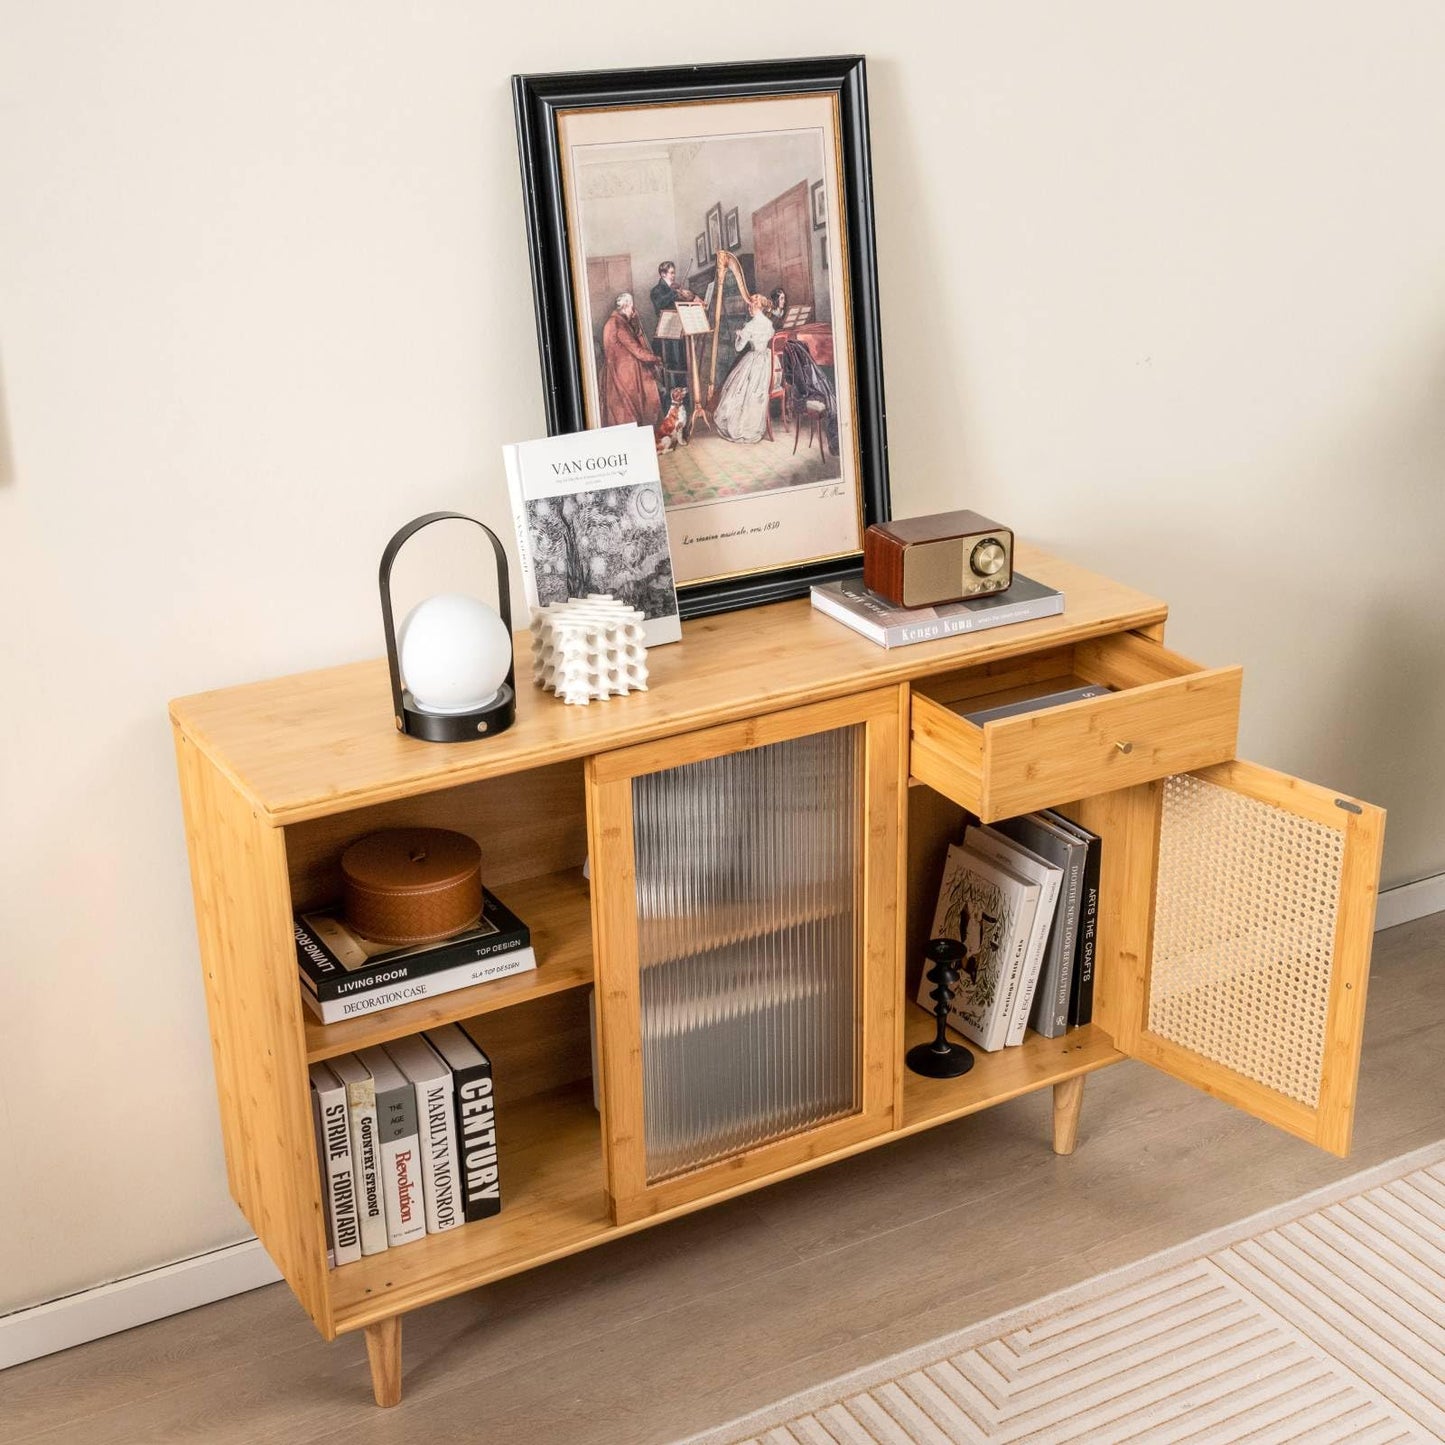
(455,653)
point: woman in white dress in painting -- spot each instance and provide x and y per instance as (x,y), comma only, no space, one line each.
(741,414)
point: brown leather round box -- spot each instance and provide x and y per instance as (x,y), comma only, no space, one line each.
(412,885)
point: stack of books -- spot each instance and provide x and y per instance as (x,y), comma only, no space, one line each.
(1023,898)
(343,974)
(848,601)
(406,1136)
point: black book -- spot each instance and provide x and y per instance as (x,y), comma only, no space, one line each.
(1081,989)
(475,1102)
(336,963)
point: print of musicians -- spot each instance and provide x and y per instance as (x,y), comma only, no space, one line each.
(664,297)
(629,369)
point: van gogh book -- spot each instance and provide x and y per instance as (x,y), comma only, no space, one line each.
(589,514)
(848,601)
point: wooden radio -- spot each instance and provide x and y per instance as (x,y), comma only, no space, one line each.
(946,557)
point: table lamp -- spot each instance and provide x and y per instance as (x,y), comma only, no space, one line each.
(452,674)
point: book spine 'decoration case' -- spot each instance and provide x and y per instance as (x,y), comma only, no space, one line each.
(748,908)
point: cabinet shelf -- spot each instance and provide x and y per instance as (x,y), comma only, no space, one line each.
(557,907)
(553,1195)
(997,1077)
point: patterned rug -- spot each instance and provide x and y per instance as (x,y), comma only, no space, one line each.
(712,469)
(1320,1321)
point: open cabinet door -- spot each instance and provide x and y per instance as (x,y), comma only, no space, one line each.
(1249,979)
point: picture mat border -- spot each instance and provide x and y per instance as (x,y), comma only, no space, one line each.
(539,102)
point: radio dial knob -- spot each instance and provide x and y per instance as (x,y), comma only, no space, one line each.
(988,557)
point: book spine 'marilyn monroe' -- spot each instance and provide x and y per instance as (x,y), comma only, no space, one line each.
(439,1156)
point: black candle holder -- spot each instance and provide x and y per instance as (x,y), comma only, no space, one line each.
(942,1059)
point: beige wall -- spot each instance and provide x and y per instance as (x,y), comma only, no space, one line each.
(1163,286)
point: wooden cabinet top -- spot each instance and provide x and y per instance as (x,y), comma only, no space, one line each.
(322,742)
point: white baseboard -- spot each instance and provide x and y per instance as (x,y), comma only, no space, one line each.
(1410,901)
(93,1313)
(108,1308)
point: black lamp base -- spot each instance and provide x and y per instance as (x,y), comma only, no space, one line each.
(934,1062)
(465,727)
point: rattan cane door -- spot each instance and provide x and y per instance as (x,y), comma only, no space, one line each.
(745,921)
(1258,945)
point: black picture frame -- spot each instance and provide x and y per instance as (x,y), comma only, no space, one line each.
(732,230)
(700,249)
(715,230)
(540,100)
(819,200)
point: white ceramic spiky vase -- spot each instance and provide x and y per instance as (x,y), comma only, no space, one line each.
(589,647)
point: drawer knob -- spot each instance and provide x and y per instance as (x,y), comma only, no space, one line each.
(1125,747)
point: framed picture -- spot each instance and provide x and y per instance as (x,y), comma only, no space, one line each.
(700,249)
(757,507)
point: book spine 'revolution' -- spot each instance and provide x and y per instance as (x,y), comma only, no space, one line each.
(399,1146)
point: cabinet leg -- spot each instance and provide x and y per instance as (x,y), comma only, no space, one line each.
(383,1352)
(1068,1101)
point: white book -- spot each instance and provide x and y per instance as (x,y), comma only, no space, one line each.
(338,1174)
(401,1183)
(1028,865)
(464,975)
(990,911)
(436,1121)
(365,1150)
(591,518)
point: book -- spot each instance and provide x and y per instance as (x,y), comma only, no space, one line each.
(990,843)
(1050,1013)
(338,1174)
(466,975)
(848,601)
(1031,704)
(476,1120)
(336,962)
(1081,988)
(589,513)
(365,1150)
(432,1081)
(401,1185)
(989,910)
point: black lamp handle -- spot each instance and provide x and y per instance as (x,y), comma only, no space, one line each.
(504,594)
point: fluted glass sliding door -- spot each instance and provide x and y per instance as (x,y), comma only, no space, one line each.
(745,898)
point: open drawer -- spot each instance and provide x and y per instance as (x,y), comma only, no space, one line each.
(1164,715)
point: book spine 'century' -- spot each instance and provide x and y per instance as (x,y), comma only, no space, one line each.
(476,1102)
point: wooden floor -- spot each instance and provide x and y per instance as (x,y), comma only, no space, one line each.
(687,1325)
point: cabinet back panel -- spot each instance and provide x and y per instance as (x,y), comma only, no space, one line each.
(526,824)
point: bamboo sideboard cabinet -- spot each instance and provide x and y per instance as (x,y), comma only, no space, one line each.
(766,828)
